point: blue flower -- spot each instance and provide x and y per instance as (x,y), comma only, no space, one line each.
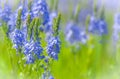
(29,59)
(53,47)
(117,18)
(6,13)
(17,38)
(25,10)
(47,75)
(103,27)
(34,49)
(74,34)
(0,11)
(97,26)
(24,7)
(51,77)
(38,50)
(116,27)
(11,23)
(28,47)
(39,8)
(48,27)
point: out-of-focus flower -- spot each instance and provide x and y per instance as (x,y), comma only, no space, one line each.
(24,10)
(0,11)
(97,26)
(116,27)
(48,27)
(11,23)
(117,18)
(47,75)
(51,77)
(6,12)
(40,8)
(74,34)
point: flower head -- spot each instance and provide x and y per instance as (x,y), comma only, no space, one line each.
(29,59)
(53,47)
(40,8)
(38,50)
(34,49)
(47,75)
(97,26)
(11,23)
(48,27)
(6,12)
(24,10)
(17,38)
(75,34)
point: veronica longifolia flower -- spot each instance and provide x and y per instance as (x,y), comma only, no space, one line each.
(75,34)
(6,12)
(47,75)
(17,38)
(40,8)
(33,49)
(116,27)
(11,23)
(53,47)
(98,26)
(48,27)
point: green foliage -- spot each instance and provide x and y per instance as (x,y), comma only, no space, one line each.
(56,24)
(19,22)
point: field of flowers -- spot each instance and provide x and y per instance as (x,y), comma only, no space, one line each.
(59,39)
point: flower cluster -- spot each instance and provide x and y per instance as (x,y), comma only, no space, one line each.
(23,29)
